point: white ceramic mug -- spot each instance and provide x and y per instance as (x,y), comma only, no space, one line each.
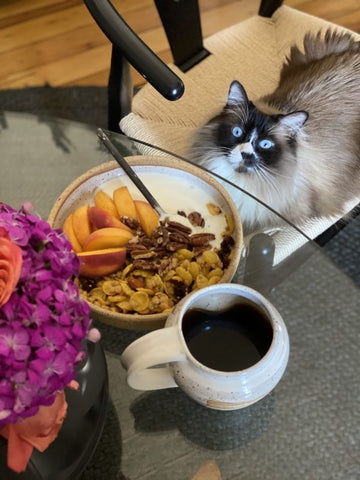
(211,375)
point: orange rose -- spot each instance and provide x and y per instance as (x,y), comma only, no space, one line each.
(38,431)
(10,266)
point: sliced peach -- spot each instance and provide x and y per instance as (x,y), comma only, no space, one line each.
(100,218)
(124,203)
(69,232)
(102,200)
(110,237)
(149,219)
(101,262)
(81,224)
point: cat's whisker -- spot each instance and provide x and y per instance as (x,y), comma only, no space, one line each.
(268,178)
(275,173)
(275,181)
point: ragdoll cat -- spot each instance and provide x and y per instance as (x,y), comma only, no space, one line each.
(297,149)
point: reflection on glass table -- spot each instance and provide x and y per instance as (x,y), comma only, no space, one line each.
(270,254)
(306,428)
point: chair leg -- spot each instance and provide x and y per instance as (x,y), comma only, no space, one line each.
(268,7)
(120,90)
(182,24)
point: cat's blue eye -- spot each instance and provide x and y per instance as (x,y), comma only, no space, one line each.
(237,131)
(265,144)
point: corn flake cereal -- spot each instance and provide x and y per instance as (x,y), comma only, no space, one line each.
(145,288)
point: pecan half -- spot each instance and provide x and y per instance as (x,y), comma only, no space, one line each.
(177,227)
(196,219)
(199,239)
(179,237)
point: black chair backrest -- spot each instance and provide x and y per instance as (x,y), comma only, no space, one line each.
(182,25)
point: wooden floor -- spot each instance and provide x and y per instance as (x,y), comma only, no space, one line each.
(56,42)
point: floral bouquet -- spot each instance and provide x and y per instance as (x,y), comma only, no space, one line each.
(43,325)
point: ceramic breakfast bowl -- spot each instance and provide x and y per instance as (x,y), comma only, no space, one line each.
(152,275)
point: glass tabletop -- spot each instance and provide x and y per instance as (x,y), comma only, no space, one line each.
(308,427)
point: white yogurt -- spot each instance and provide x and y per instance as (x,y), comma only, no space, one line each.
(179,193)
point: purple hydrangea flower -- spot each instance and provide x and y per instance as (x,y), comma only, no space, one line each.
(44,323)
(14,343)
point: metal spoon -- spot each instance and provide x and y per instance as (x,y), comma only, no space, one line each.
(130,172)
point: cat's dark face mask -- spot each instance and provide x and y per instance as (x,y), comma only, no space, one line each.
(248,144)
(252,141)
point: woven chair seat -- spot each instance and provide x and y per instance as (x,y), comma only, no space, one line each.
(252,52)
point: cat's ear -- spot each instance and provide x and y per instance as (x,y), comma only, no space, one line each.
(236,94)
(294,121)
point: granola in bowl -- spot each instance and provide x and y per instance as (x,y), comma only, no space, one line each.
(199,245)
(160,270)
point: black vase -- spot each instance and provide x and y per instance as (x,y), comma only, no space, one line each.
(69,454)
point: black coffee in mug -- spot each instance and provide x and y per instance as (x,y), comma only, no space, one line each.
(230,340)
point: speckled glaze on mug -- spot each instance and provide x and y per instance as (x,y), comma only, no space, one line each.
(212,388)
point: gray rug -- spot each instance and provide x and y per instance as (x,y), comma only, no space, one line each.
(345,251)
(81,104)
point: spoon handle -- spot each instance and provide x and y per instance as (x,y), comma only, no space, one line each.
(129,171)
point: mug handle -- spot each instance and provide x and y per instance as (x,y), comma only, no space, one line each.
(155,348)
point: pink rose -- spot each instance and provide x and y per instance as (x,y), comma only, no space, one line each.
(10,266)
